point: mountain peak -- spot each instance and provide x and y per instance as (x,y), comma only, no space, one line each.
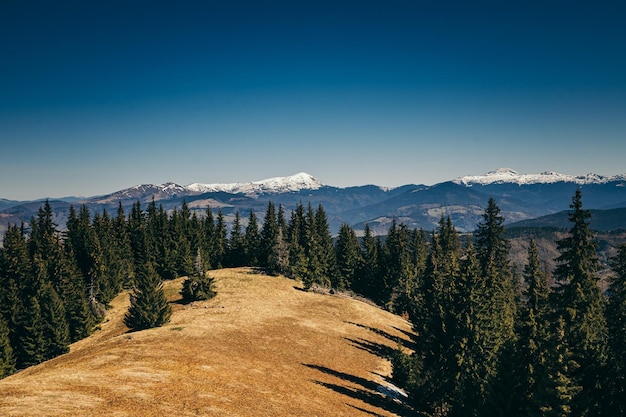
(510,176)
(296,182)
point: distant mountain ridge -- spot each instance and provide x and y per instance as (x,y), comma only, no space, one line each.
(520,197)
(507,175)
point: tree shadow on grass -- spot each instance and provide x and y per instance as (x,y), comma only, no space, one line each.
(363,390)
(408,343)
(379,349)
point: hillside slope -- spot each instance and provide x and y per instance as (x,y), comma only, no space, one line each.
(262,347)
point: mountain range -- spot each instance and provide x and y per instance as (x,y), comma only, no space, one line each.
(521,197)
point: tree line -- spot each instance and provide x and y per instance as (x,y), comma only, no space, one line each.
(490,340)
(492,343)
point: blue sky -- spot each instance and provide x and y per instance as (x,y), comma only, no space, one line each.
(100,96)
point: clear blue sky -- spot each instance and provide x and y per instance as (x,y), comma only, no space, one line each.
(96,96)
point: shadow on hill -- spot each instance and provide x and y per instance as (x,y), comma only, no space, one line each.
(379,349)
(408,343)
(363,390)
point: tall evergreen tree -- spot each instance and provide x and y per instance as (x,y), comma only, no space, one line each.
(123,247)
(56,331)
(252,240)
(297,235)
(348,255)
(324,239)
(580,303)
(535,332)
(369,282)
(207,239)
(616,322)
(198,286)
(500,298)
(219,241)
(148,305)
(269,238)
(7,358)
(236,245)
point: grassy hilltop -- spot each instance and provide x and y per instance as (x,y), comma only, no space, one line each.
(262,347)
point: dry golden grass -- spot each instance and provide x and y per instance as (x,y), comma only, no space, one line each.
(262,347)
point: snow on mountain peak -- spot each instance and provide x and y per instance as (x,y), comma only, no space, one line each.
(509,176)
(297,182)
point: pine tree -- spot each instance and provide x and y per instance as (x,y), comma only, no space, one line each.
(252,240)
(198,286)
(123,247)
(56,330)
(30,348)
(500,298)
(324,239)
(297,234)
(369,282)
(269,240)
(348,255)
(534,335)
(580,303)
(148,306)
(438,320)
(73,291)
(616,323)
(469,349)
(7,358)
(400,274)
(236,245)
(219,242)
(207,239)
(312,251)
(15,277)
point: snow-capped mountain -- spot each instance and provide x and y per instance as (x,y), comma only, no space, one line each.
(519,196)
(507,175)
(278,185)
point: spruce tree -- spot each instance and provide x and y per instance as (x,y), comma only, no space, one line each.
(269,239)
(297,234)
(7,358)
(56,329)
(148,306)
(500,299)
(348,255)
(579,302)
(198,286)
(535,331)
(207,239)
(123,247)
(219,242)
(30,348)
(616,322)
(252,240)
(236,245)
(324,239)
(369,282)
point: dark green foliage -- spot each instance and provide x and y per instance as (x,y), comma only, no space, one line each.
(30,346)
(348,256)
(236,244)
(269,240)
(199,286)
(7,358)
(252,241)
(616,322)
(580,303)
(56,330)
(535,333)
(148,306)
(369,281)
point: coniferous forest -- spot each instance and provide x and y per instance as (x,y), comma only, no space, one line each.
(491,340)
